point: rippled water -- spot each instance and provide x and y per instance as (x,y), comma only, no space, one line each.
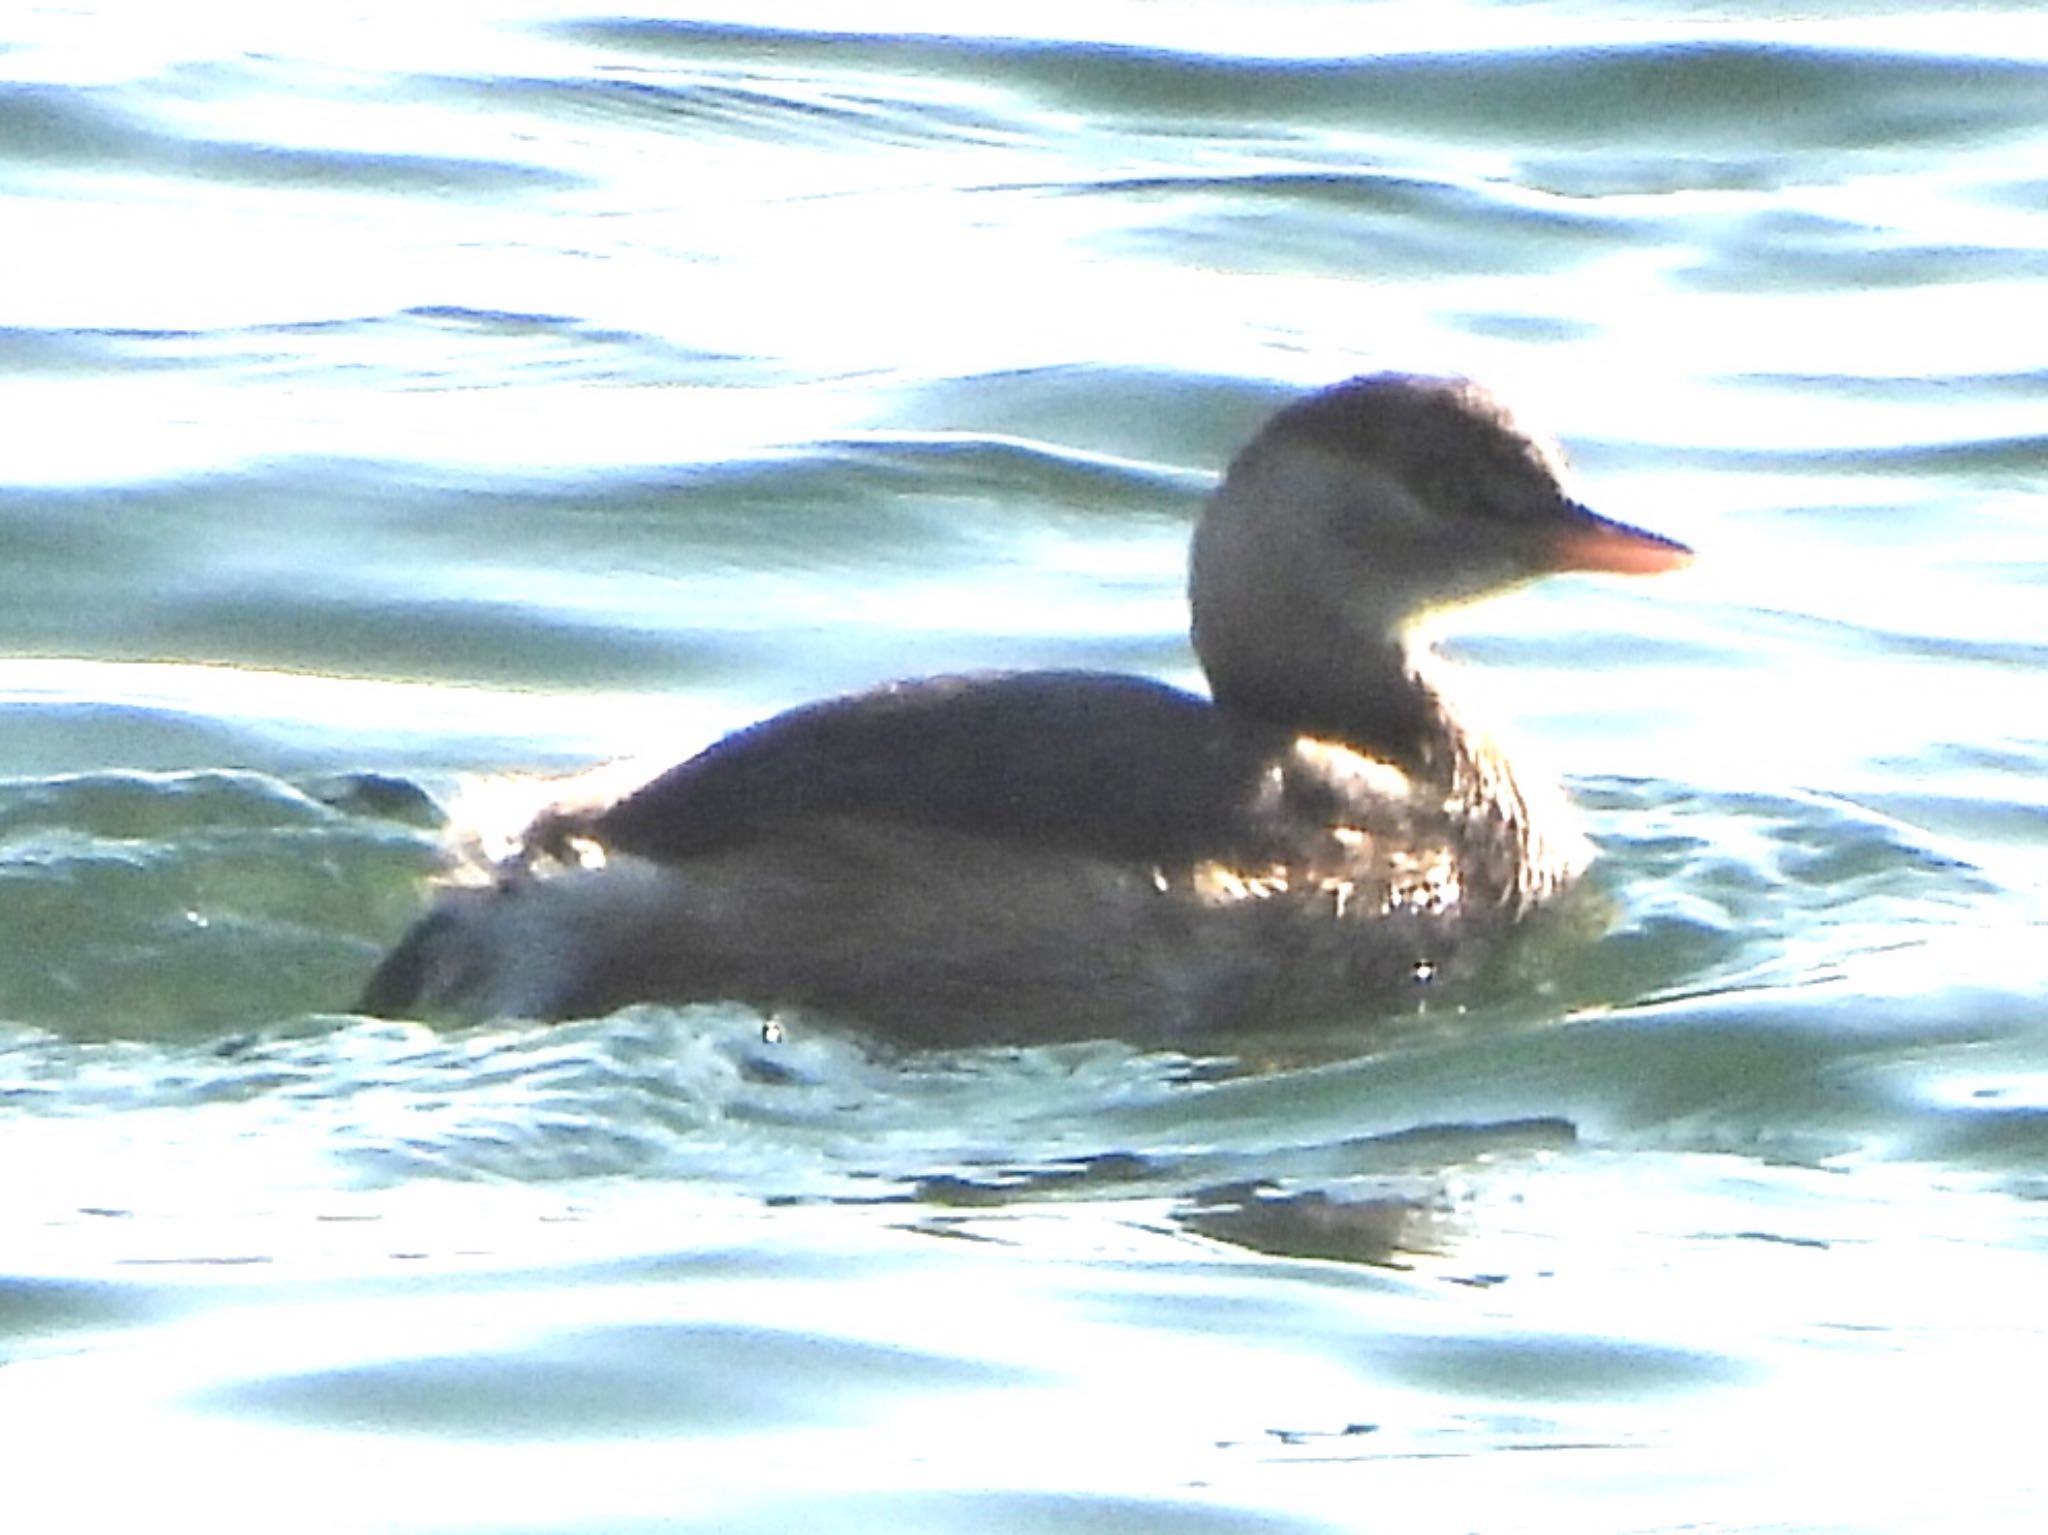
(393,397)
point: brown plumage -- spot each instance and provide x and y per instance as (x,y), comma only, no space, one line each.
(1054,855)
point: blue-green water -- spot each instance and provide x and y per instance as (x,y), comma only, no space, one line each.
(393,396)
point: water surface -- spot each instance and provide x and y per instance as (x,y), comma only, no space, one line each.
(394,399)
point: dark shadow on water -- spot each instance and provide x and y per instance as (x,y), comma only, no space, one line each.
(615,1382)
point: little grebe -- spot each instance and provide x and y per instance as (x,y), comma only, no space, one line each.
(1038,856)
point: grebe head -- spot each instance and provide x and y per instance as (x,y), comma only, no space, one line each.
(1359,510)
